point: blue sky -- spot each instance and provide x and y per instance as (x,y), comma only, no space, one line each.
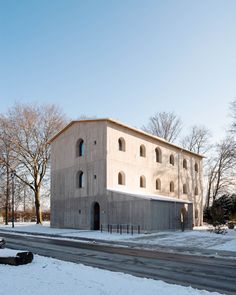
(123,59)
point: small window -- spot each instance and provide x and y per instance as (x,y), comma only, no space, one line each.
(80,148)
(185,165)
(185,189)
(158,155)
(196,167)
(158,184)
(196,191)
(142,181)
(121,178)
(172,160)
(121,144)
(142,151)
(79,179)
(172,187)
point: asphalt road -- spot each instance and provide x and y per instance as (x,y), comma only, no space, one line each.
(208,273)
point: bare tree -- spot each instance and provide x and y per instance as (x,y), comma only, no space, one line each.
(2,193)
(221,174)
(86,117)
(197,140)
(233,115)
(165,125)
(7,162)
(30,129)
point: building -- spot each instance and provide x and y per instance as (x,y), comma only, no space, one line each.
(105,172)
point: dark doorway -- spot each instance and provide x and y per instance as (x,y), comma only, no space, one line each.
(96,216)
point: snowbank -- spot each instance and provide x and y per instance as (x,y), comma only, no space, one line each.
(53,277)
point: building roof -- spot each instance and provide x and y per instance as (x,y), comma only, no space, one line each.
(151,197)
(115,122)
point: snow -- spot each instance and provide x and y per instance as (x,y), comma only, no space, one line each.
(227,246)
(149,196)
(8,253)
(53,277)
(200,238)
(47,230)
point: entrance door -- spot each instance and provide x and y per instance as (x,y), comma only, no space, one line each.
(96,216)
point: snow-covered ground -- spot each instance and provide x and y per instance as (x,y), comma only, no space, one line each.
(53,277)
(199,238)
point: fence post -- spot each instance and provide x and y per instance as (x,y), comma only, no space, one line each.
(121,229)
(127,228)
(132,229)
(138,229)
(111,228)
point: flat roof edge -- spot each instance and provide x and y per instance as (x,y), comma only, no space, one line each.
(150,197)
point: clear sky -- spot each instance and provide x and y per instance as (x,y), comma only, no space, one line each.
(125,59)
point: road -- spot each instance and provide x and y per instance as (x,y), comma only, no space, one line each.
(207,273)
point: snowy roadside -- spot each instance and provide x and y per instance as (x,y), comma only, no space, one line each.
(199,238)
(54,277)
(58,277)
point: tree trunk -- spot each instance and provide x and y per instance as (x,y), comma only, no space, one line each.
(37,207)
(208,196)
(7,197)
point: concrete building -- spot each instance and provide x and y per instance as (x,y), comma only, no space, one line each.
(105,172)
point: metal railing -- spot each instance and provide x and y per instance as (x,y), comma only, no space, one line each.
(121,228)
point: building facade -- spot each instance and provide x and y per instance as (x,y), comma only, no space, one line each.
(105,172)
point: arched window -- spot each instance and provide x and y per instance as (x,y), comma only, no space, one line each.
(185,165)
(158,155)
(158,184)
(121,178)
(184,189)
(196,167)
(121,144)
(142,151)
(142,181)
(80,148)
(79,179)
(172,160)
(196,191)
(172,187)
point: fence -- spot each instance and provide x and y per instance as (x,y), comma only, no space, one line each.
(121,228)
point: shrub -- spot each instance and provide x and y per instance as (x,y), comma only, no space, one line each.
(231,225)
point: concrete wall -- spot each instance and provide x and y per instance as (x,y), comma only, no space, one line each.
(166,215)
(114,209)
(117,208)
(65,195)
(134,166)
